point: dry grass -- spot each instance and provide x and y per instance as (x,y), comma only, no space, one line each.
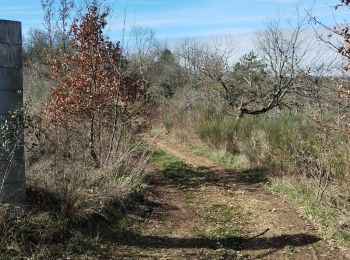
(60,164)
(69,199)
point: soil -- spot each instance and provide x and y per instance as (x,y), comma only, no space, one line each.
(215,213)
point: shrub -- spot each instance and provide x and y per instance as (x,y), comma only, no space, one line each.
(94,85)
(284,143)
(60,163)
(168,123)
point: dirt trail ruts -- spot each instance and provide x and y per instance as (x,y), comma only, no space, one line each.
(272,228)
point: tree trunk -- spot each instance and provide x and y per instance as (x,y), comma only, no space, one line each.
(92,143)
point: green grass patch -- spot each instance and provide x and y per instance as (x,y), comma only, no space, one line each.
(217,224)
(164,160)
(183,174)
(225,217)
(320,211)
(231,162)
(226,159)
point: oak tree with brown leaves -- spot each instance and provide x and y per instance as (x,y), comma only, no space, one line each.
(93,82)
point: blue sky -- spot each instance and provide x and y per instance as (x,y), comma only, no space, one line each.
(177,19)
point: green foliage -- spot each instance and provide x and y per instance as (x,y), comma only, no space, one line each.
(11,138)
(291,142)
(295,143)
(168,123)
(251,67)
(216,128)
(11,128)
(168,90)
(167,73)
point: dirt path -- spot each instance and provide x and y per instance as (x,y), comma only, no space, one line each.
(203,211)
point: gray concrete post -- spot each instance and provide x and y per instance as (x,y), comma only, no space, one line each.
(11,98)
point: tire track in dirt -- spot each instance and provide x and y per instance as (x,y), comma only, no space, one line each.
(272,228)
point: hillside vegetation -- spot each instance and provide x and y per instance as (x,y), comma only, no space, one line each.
(273,123)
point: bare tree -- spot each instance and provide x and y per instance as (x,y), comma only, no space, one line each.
(143,47)
(49,13)
(189,53)
(284,52)
(338,38)
(284,67)
(217,62)
(295,68)
(65,8)
(207,63)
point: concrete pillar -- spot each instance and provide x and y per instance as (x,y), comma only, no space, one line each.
(11,98)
